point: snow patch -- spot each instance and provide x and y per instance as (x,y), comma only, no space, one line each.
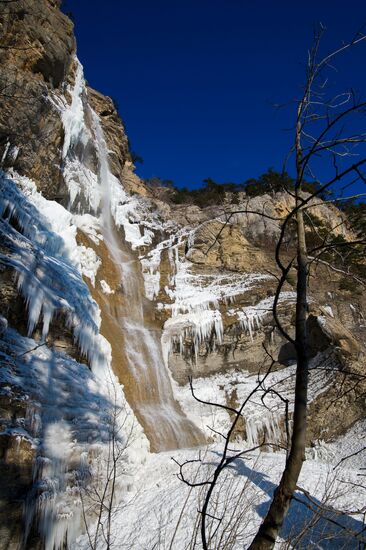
(328,310)
(106,289)
(89,261)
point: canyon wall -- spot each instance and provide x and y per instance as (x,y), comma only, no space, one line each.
(112,296)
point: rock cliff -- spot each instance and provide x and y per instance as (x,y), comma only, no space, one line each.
(198,290)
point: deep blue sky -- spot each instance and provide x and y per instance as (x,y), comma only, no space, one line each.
(195,80)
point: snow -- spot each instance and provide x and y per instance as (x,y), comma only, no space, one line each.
(90,225)
(10,154)
(265,411)
(106,289)
(163,513)
(5,153)
(151,261)
(69,410)
(328,310)
(321,320)
(151,271)
(351,444)
(192,291)
(89,262)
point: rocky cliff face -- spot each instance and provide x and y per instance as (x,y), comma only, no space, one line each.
(36,58)
(201,295)
(49,164)
(213,286)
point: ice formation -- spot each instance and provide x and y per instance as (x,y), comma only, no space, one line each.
(251,317)
(328,310)
(48,281)
(195,298)
(68,420)
(10,153)
(89,261)
(201,326)
(106,289)
(70,406)
(192,292)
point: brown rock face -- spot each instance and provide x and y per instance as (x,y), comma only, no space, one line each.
(343,403)
(224,246)
(35,59)
(17,457)
(37,38)
(37,65)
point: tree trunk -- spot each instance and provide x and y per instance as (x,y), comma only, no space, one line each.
(272,523)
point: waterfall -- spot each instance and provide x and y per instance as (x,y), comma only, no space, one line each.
(153,401)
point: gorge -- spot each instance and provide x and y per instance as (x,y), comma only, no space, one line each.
(113,295)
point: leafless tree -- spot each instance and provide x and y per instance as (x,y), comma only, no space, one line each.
(313,109)
(98,481)
(321,135)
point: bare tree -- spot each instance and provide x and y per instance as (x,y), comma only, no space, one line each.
(321,135)
(98,481)
(313,108)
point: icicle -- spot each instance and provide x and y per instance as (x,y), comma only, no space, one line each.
(267,424)
(44,275)
(200,327)
(252,317)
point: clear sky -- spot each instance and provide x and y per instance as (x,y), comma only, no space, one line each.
(196,80)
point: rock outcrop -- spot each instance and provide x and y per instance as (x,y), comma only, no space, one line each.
(37,44)
(207,276)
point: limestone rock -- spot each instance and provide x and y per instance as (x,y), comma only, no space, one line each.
(217,245)
(32,65)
